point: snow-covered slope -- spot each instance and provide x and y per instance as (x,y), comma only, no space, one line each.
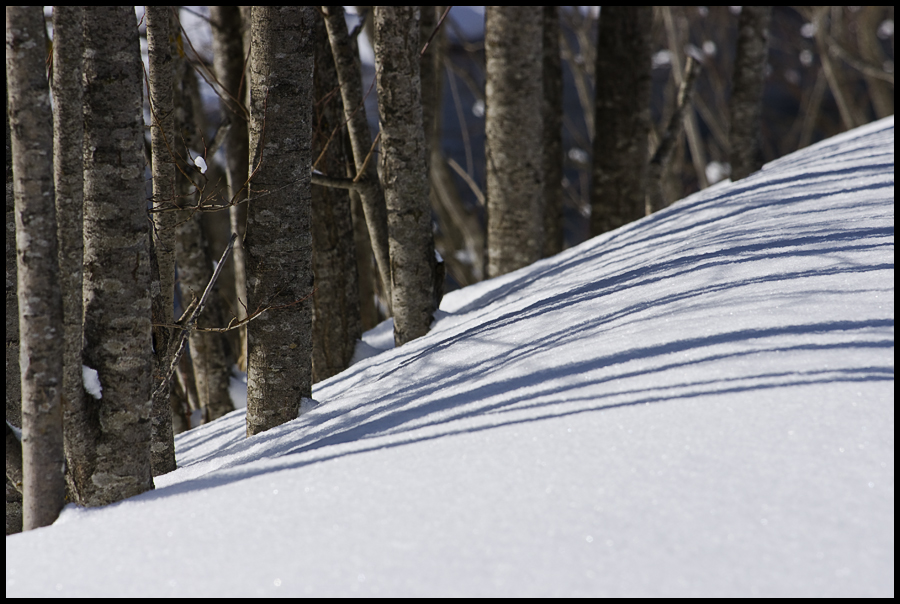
(699,403)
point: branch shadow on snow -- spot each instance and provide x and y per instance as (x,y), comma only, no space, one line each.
(426,395)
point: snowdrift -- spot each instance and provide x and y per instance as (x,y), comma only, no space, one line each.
(697,404)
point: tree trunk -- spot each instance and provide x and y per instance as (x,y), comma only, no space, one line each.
(68,132)
(404,171)
(161,55)
(40,303)
(229,56)
(279,241)
(113,459)
(748,81)
(13,381)
(347,64)
(514,132)
(336,318)
(552,145)
(621,118)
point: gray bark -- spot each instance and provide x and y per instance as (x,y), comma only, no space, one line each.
(336,318)
(373,201)
(229,56)
(13,383)
(514,133)
(40,303)
(161,54)
(278,241)
(404,171)
(621,117)
(113,459)
(748,81)
(553,150)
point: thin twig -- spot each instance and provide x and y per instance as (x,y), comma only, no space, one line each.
(436,28)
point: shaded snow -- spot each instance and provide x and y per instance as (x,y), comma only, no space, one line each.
(697,404)
(91,380)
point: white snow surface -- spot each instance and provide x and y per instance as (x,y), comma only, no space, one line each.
(697,404)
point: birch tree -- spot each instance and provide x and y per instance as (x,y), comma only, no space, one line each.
(404,171)
(747,83)
(40,303)
(112,459)
(621,117)
(513,137)
(278,243)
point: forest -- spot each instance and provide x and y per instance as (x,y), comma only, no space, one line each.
(182,207)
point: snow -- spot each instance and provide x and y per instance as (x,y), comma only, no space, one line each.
(91,380)
(697,404)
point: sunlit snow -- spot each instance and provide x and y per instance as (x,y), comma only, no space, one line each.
(697,404)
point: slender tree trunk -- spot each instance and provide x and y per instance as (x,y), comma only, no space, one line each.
(514,134)
(373,201)
(621,118)
(40,303)
(404,171)
(13,381)
(68,132)
(552,146)
(279,240)
(748,81)
(229,56)
(336,319)
(161,49)
(114,462)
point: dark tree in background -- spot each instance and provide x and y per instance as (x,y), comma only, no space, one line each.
(336,317)
(747,83)
(553,124)
(622,117)
(346,62)
(278,243)
(40,303)
(514,137)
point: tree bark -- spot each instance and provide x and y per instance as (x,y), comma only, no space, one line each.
(113,459)
(404,171)
(161,54)
(279,240)
(621,117)
(552,145)
(13,381)
(40,303)
(336,318)
(514,134)
(748,81)
(373,201)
